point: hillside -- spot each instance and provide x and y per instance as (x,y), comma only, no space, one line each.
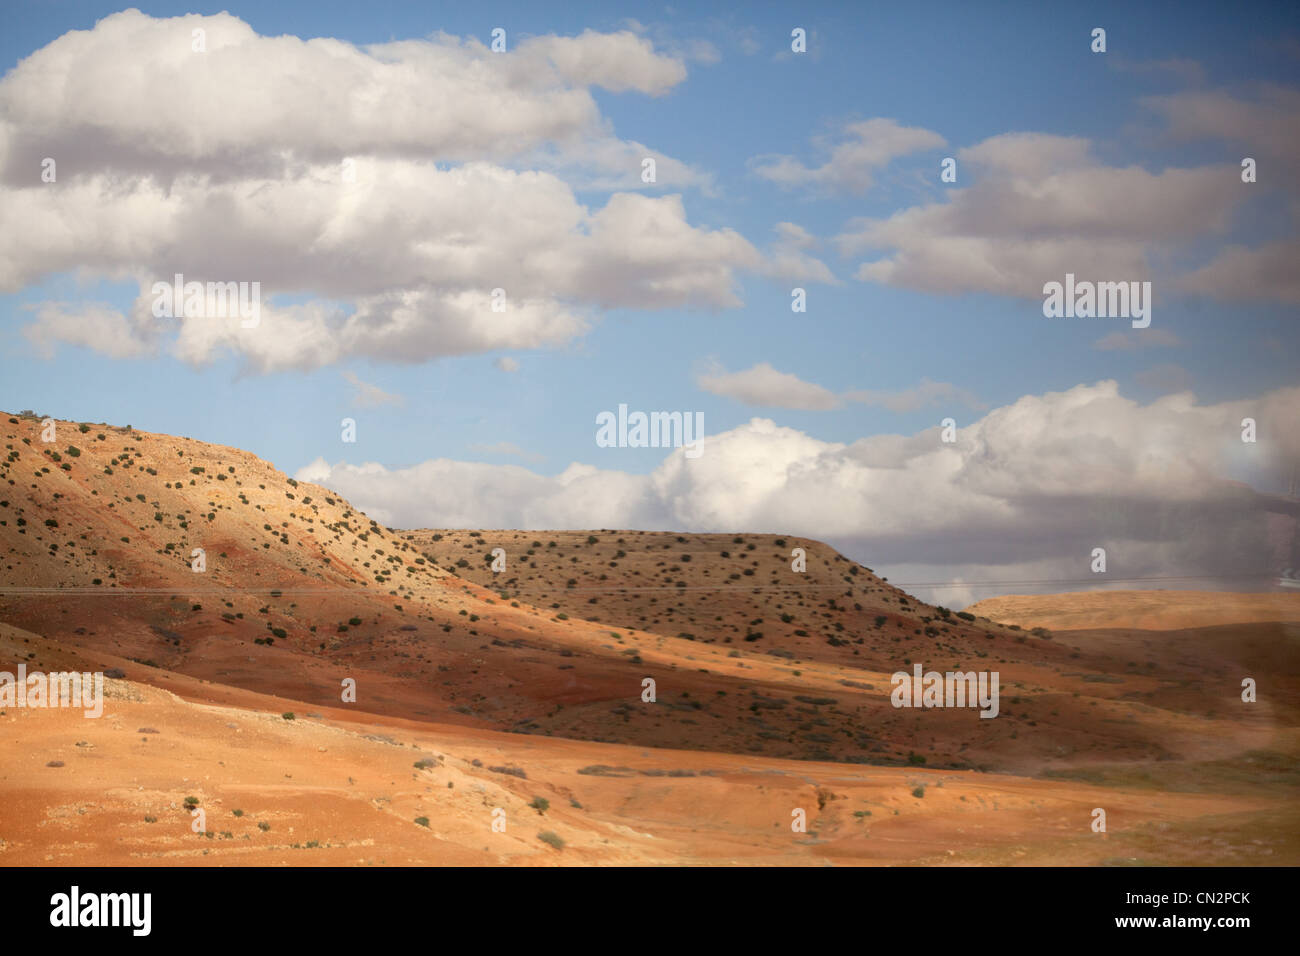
(329,789)
(301,591)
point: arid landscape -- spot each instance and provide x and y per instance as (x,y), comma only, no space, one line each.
(522,689)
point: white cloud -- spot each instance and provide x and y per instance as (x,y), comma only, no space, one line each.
(868,146)
(1266,272)
(1033,485)
(393,222)
(399,283)
(1264,125)
(787,257)
(506,364)
(763,385)
(94,325)
(617,62)
(130,92)
(1037,207)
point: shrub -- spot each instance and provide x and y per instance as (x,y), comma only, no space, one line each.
(540,804)
(287,715)
(422,821)
(918,792)
(263,826)
(552,838)
(966,615)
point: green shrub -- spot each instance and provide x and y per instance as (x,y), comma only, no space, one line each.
(553,839)
(540,804)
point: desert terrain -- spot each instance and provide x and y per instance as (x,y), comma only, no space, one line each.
(516,696)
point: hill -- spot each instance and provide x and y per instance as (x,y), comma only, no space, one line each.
(301,592)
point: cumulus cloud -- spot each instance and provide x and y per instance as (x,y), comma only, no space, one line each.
(94,325)
(1264,124)
(1265,272)
(1266,128)
(506,364)
(1040,206)
(866,147)
(388,229)
(404,283)
(131,93)
(1032,486)
(788,258)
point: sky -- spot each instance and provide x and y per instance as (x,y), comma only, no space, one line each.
(379,169)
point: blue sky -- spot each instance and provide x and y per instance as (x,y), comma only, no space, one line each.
(962,72)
